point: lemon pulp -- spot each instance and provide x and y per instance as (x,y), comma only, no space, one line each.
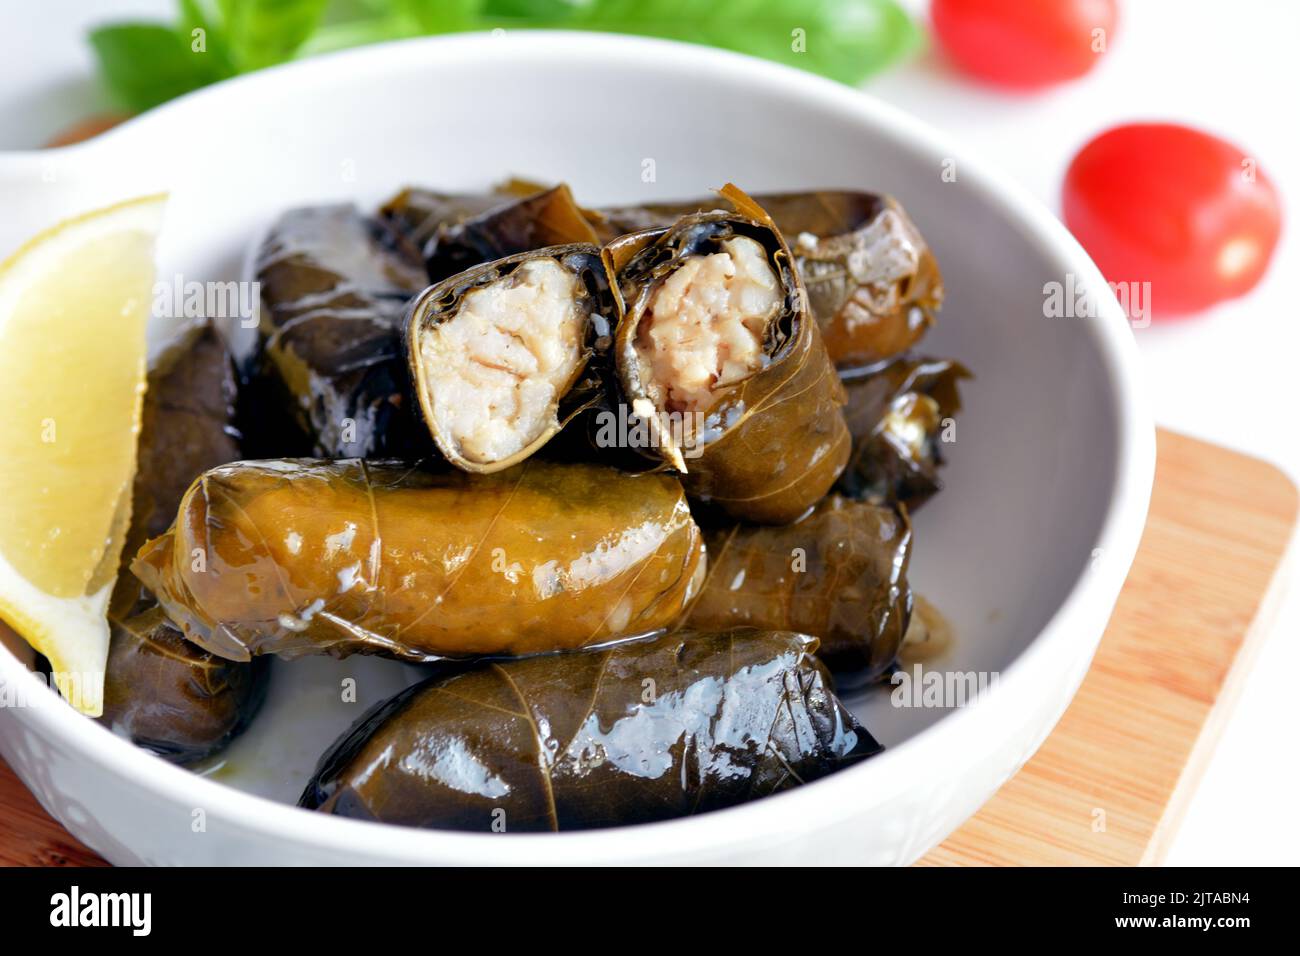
(74,303)
(73,451)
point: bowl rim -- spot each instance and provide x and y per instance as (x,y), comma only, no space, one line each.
(782,816)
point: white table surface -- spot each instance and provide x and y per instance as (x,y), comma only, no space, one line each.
(1225,376)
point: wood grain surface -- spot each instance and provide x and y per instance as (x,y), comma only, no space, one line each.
(1110,784)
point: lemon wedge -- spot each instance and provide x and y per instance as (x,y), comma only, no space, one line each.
(74,302)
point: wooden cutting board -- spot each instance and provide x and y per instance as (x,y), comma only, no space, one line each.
(1133,744)
(1110,784)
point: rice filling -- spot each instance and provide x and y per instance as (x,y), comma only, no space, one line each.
(496,370)
(704,327)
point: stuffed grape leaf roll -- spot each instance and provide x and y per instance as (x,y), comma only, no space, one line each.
(415,215)
(501,354)
(172,697)
(161,691)
(681,724)
(872,281)
(839,574)
(334,294)
(900,416)
(452,232)
(301,556)
(716,350)
(546,218)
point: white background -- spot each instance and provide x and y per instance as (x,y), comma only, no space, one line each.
(1231,376)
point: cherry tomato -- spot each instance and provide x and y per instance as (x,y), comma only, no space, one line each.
(1173,206)
(1025,44)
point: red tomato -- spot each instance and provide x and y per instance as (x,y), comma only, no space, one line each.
(1173,206)
(1024,43)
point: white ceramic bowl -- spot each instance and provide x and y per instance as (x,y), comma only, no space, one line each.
(1025,551)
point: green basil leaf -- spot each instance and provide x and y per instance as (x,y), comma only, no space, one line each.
(439,16)
(265,32)
(544,12)
(341,36)
(846,40)
(200,22)
(144,64)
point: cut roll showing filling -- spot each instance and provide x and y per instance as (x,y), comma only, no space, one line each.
(502,360)
(872,281)
(497,350)
(722,363)
(703,329)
